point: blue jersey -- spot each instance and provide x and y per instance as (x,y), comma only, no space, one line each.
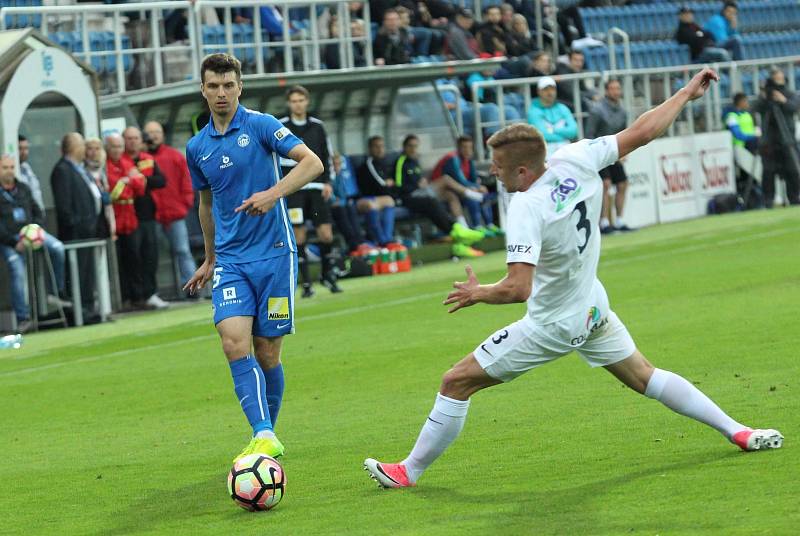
(235,165)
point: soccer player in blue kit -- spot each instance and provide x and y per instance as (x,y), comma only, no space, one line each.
(250,249)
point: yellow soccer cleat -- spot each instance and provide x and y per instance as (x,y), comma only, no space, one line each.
(271,446)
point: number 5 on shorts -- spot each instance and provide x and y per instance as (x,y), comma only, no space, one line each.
(217,277)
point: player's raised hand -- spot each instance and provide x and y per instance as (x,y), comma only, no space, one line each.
(463,295)
(258,204)
(700,82)
(200,277)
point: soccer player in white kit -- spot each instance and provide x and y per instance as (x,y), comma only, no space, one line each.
(553,243)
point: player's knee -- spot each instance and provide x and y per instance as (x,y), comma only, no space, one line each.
(235,347)
(456,384)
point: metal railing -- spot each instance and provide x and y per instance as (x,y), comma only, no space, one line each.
(79,18)
(644,89)
(141,60)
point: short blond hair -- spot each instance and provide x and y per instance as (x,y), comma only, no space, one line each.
(523,144)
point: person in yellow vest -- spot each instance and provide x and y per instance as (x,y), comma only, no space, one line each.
(741,124)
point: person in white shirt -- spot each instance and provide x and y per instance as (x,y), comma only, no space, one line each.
(553,243)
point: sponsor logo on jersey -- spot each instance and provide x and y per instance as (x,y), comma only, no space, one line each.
(563,192)
(282,133)
(243,140)
(229,293)
(594,316)
(518,248)
(226,162)
(278,309)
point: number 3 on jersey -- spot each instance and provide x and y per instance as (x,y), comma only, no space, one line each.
(583,223)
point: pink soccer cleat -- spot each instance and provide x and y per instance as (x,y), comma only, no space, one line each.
(388,475)
(757,439)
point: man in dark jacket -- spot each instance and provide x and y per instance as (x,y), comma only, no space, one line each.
(492,37)
(146,214)
(461,43)
(392,45)
(701,44)
(779,151)
(376,188)
(78,208)
(18,209)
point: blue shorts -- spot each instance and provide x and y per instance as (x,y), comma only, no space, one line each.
(262,289)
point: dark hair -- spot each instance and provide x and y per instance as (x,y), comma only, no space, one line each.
(737,98)
(463,139)
(390,10)
(610,81)
(539,54)
(373,139)
(298,89)
(220,63)
(20,138)
(409,138)
(576,51)
(487,8)
(730,3)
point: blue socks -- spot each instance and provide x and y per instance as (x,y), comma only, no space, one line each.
(250,386)
(274,378)
(387,224)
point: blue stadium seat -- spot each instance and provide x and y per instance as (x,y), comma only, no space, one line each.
(97,43)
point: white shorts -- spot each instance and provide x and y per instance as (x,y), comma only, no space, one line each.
(598,335)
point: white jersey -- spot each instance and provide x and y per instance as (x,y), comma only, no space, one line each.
(554,226)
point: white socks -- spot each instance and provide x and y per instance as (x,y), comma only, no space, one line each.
(473,195)
(682,397)
(604,223)
(440,429)
(463,221)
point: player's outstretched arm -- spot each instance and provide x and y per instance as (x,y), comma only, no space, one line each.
(655,122)
(515,287)
(308,167)
(206,270)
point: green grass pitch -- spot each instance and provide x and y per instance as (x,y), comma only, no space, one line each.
(129,427)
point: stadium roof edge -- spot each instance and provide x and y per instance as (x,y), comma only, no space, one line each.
(393,75)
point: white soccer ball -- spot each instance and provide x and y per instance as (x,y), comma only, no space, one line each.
(32,235)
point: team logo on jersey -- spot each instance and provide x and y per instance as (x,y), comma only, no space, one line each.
(282,133)
(563,192)
(593,317)
(278,309)
(243,140)
(226,162)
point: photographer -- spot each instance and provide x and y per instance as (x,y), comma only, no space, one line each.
(777,105)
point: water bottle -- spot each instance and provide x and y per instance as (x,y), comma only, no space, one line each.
(11,341)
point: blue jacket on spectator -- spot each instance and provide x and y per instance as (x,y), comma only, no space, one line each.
(555,123)
(719,28)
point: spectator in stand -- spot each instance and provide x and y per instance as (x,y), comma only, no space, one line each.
(414,193)
(701,44)
(18,209)
(433,16)
(26,173)
(343,207)
(722,28)
(740,122)
(456,181)
(392,45)
(127,184)
(607,118)
(566,88)
(95,165)
(419,38)
(513,102)
(174,201)
(492,37)
(78,204)
(541,64)
(330,52)
(461,43)
(778,105)
(375,186)
(146,214)
(519,34)
(507,16)
(553,119)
